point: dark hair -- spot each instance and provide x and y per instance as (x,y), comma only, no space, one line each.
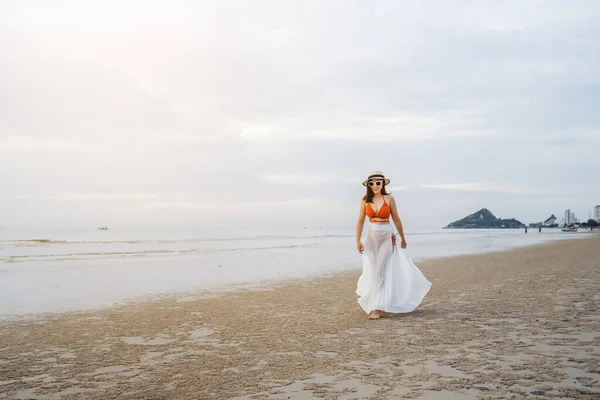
(369,196)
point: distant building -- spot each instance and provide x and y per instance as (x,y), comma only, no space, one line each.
(570,217)
(550,221)
(597,214)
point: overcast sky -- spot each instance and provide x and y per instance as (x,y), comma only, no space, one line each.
(173,113)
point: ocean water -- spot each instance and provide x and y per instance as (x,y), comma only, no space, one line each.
(63,270)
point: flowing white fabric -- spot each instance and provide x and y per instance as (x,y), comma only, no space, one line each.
(390,281)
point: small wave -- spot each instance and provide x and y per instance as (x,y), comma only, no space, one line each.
(148,253)
(38,242)
(33,241)
(301,237)
(95,253)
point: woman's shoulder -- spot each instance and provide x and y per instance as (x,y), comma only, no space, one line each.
(388,197)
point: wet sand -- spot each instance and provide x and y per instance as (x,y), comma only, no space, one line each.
(517,324)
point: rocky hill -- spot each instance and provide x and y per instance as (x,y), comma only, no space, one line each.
(484,219)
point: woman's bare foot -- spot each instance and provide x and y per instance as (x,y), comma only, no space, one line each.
(376,314)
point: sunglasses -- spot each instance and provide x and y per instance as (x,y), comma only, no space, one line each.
(378,183)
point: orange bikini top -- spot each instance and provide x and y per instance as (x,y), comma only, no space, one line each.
(383,212)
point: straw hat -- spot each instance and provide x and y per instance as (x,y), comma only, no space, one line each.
(376,175)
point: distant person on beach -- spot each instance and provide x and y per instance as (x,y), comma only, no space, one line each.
(390,281)
(540,229)
(525,229)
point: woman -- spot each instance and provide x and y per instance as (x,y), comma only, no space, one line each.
(390,281)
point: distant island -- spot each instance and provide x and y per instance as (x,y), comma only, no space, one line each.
(484,219)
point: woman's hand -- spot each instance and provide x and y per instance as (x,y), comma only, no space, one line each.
(360,247)
(403,243)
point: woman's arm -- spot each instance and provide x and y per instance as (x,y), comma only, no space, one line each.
(397,221)
(360,225)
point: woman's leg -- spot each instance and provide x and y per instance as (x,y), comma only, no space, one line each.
(383,254)
(370,259)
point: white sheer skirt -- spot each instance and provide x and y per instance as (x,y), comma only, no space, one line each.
(390,281)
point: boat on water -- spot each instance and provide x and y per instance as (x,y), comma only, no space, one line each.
(570,229)
(103,228)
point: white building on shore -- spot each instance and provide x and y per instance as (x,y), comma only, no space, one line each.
(597,214)
(550,221)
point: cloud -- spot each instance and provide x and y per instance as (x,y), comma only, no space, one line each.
(409,125)
(398,188)
(305,179)
(98,196)
(172,108)
(231,207)
(26,143)
(479,187)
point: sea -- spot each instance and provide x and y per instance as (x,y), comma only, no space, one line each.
(58,270)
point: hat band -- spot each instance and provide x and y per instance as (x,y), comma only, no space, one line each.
(375,176)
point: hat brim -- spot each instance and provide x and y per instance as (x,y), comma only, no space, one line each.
(386,180)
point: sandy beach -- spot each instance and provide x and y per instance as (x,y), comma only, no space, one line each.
(517,324)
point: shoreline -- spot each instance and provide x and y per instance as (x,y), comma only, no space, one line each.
(512,323)
(103,297)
